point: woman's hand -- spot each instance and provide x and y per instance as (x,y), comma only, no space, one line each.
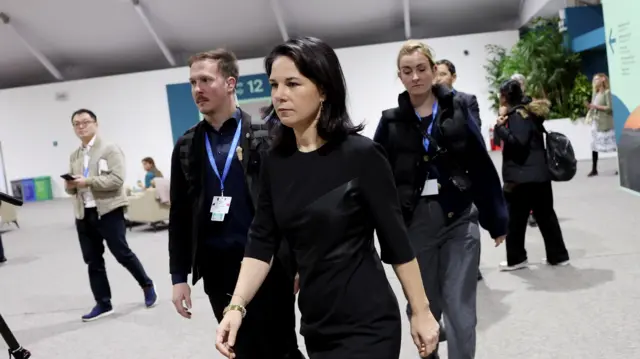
(502,111)
(425,331)
(501,120)
(227,332)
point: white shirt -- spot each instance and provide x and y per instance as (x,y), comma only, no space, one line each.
(86,194)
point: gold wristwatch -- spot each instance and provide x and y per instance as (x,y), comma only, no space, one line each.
(237,307)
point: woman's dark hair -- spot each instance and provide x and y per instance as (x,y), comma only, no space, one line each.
(512,92)
(154,169)
(319,63)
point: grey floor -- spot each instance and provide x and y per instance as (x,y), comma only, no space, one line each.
(586,310)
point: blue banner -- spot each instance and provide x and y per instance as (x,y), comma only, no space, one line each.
(184,113)
(253,87)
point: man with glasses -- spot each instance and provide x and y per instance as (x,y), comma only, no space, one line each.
(98,171)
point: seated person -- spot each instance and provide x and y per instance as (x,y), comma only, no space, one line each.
(151,172)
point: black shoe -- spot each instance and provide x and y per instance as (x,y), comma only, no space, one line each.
(479,276)
(3,259)
(592,173)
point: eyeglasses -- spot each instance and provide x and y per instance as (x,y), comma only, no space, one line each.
(82,123)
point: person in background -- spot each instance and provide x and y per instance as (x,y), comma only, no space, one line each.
(447,185)
(600,116)
(527,183)
(446,75)
(214,189)
(99,202)
(522,81)
(2,257)
(151,172)
(327,188)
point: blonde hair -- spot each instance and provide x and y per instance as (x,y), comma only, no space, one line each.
(411,46)
(604,85)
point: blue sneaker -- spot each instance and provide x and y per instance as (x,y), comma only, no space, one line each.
(99,311)
(150,296)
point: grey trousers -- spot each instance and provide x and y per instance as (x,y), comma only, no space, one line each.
(449,256)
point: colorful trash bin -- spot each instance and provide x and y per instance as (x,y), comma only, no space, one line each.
(28,190)
(43,188)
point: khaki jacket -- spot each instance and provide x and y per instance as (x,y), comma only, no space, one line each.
(105,185)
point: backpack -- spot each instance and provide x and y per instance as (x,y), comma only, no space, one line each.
(561,159)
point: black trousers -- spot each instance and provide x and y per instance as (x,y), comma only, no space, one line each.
(522,199)
(93,232)
(269,328)
(1,248)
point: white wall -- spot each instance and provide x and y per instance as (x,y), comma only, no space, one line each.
(132,109)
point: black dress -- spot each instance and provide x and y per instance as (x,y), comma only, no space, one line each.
(327,204)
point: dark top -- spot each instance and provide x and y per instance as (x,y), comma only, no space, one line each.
(523,153)
(232,232)
(190,202)
(400,135)
(471,102)
(327,204)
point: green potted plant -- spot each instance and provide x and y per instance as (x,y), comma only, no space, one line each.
(552,70)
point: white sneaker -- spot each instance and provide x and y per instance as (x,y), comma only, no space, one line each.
(505,267)
(564,263)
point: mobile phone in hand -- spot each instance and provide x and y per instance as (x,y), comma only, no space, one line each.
(68,177)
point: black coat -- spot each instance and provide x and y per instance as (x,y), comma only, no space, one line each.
(471,102)
(523,153)
(188,163)
(398,132)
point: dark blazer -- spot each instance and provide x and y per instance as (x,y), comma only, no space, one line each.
(471,102)
(188,171)
(398,132)
(523,153)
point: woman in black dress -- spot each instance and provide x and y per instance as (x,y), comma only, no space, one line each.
(325,189)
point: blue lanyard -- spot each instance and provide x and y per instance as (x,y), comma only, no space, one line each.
(434,113)
(227,165)
(85,169)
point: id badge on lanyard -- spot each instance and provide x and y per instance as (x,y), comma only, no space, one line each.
(221,204)
(431,185)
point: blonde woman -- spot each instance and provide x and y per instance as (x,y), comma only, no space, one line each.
(448,187)
(600,116)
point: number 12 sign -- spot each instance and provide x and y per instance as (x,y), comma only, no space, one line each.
(253,87)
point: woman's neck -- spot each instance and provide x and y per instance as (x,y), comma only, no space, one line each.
(307,138)
(423,103)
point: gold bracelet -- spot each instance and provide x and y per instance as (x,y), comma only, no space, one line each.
(237,307)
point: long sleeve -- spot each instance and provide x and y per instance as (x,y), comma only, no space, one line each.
(113,178)
(382,197)
(486,189)
(517,134)
(180,215)
(264,235)
(475,110)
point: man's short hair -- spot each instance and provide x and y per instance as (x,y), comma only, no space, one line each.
(449,65)
(84,110)
(227,61)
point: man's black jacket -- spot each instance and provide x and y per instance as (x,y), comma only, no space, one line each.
(188,170)
(400,134)
(471,102)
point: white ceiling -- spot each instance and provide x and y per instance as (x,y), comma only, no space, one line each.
(88,38)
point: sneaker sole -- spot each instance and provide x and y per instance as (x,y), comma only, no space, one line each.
(105,314)
(515,267)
